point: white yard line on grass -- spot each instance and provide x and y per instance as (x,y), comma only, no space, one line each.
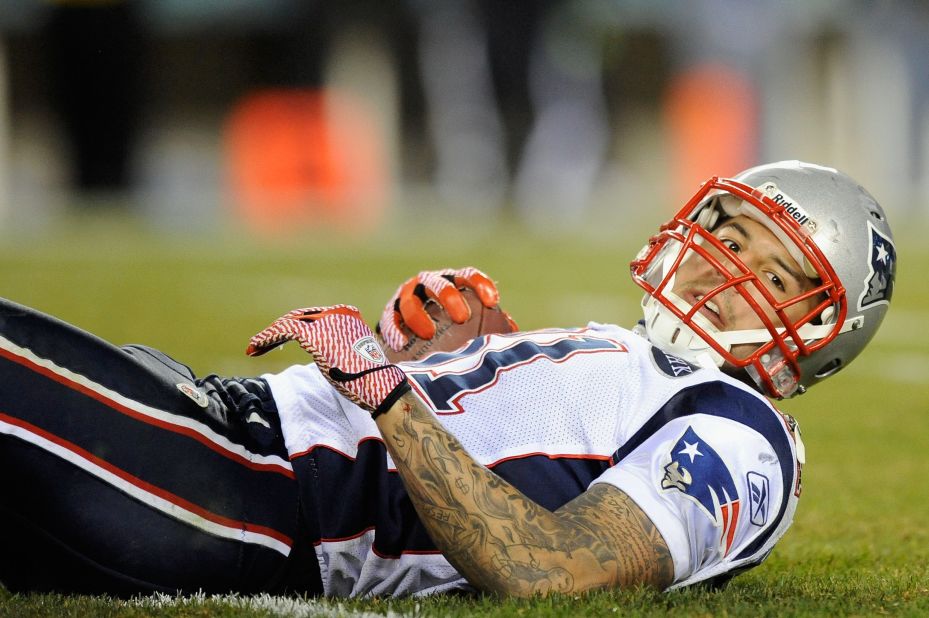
(279,605)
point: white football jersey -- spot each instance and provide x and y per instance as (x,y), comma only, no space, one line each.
(708,459)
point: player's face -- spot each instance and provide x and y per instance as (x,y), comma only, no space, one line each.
(761,251)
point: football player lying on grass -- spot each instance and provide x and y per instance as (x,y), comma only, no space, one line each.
(521,463)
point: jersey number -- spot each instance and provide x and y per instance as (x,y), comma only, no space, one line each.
(444,379)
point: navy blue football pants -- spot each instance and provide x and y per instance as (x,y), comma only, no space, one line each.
(120,472)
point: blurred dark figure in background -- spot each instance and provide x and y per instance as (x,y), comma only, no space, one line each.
(95,53)
(516,103)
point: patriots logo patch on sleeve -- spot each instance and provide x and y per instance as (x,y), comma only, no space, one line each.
(697,471)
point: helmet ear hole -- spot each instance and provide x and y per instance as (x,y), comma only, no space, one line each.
(829,368)
(709,215)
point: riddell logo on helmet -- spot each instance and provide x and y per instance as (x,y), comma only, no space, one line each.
(790,205)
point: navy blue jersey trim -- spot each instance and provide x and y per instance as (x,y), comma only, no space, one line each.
(726,401)
(550,482)
(349,496)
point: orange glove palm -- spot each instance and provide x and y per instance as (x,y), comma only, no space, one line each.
(406,305)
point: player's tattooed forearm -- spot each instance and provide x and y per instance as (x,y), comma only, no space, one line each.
(636,544)
(500,540)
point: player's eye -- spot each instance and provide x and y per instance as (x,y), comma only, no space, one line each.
(776,281)
(731,245)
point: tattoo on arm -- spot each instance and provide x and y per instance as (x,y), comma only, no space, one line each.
(502,541)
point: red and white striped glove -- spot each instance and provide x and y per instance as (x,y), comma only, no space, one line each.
(344,348)
(406,305)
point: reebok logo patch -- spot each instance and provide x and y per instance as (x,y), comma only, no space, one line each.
(758,491)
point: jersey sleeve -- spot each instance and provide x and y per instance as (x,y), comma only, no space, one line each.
(715,487)
(312,413)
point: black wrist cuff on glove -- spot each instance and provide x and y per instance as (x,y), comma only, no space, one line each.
(402,389)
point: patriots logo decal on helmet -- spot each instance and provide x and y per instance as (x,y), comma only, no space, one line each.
(697,471)
(879,285)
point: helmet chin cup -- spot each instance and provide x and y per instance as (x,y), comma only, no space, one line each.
(668,332)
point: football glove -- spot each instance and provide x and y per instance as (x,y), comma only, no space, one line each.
(442,286)
(344,349)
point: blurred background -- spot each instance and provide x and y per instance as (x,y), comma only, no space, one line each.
(283,115)
(180,172)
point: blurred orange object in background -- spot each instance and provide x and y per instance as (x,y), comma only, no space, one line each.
(300,159)
(711,117)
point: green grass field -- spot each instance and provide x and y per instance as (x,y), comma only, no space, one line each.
(859,544)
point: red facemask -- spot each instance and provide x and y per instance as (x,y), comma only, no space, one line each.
(681,327)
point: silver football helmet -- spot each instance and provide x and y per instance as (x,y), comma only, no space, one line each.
(834,230)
